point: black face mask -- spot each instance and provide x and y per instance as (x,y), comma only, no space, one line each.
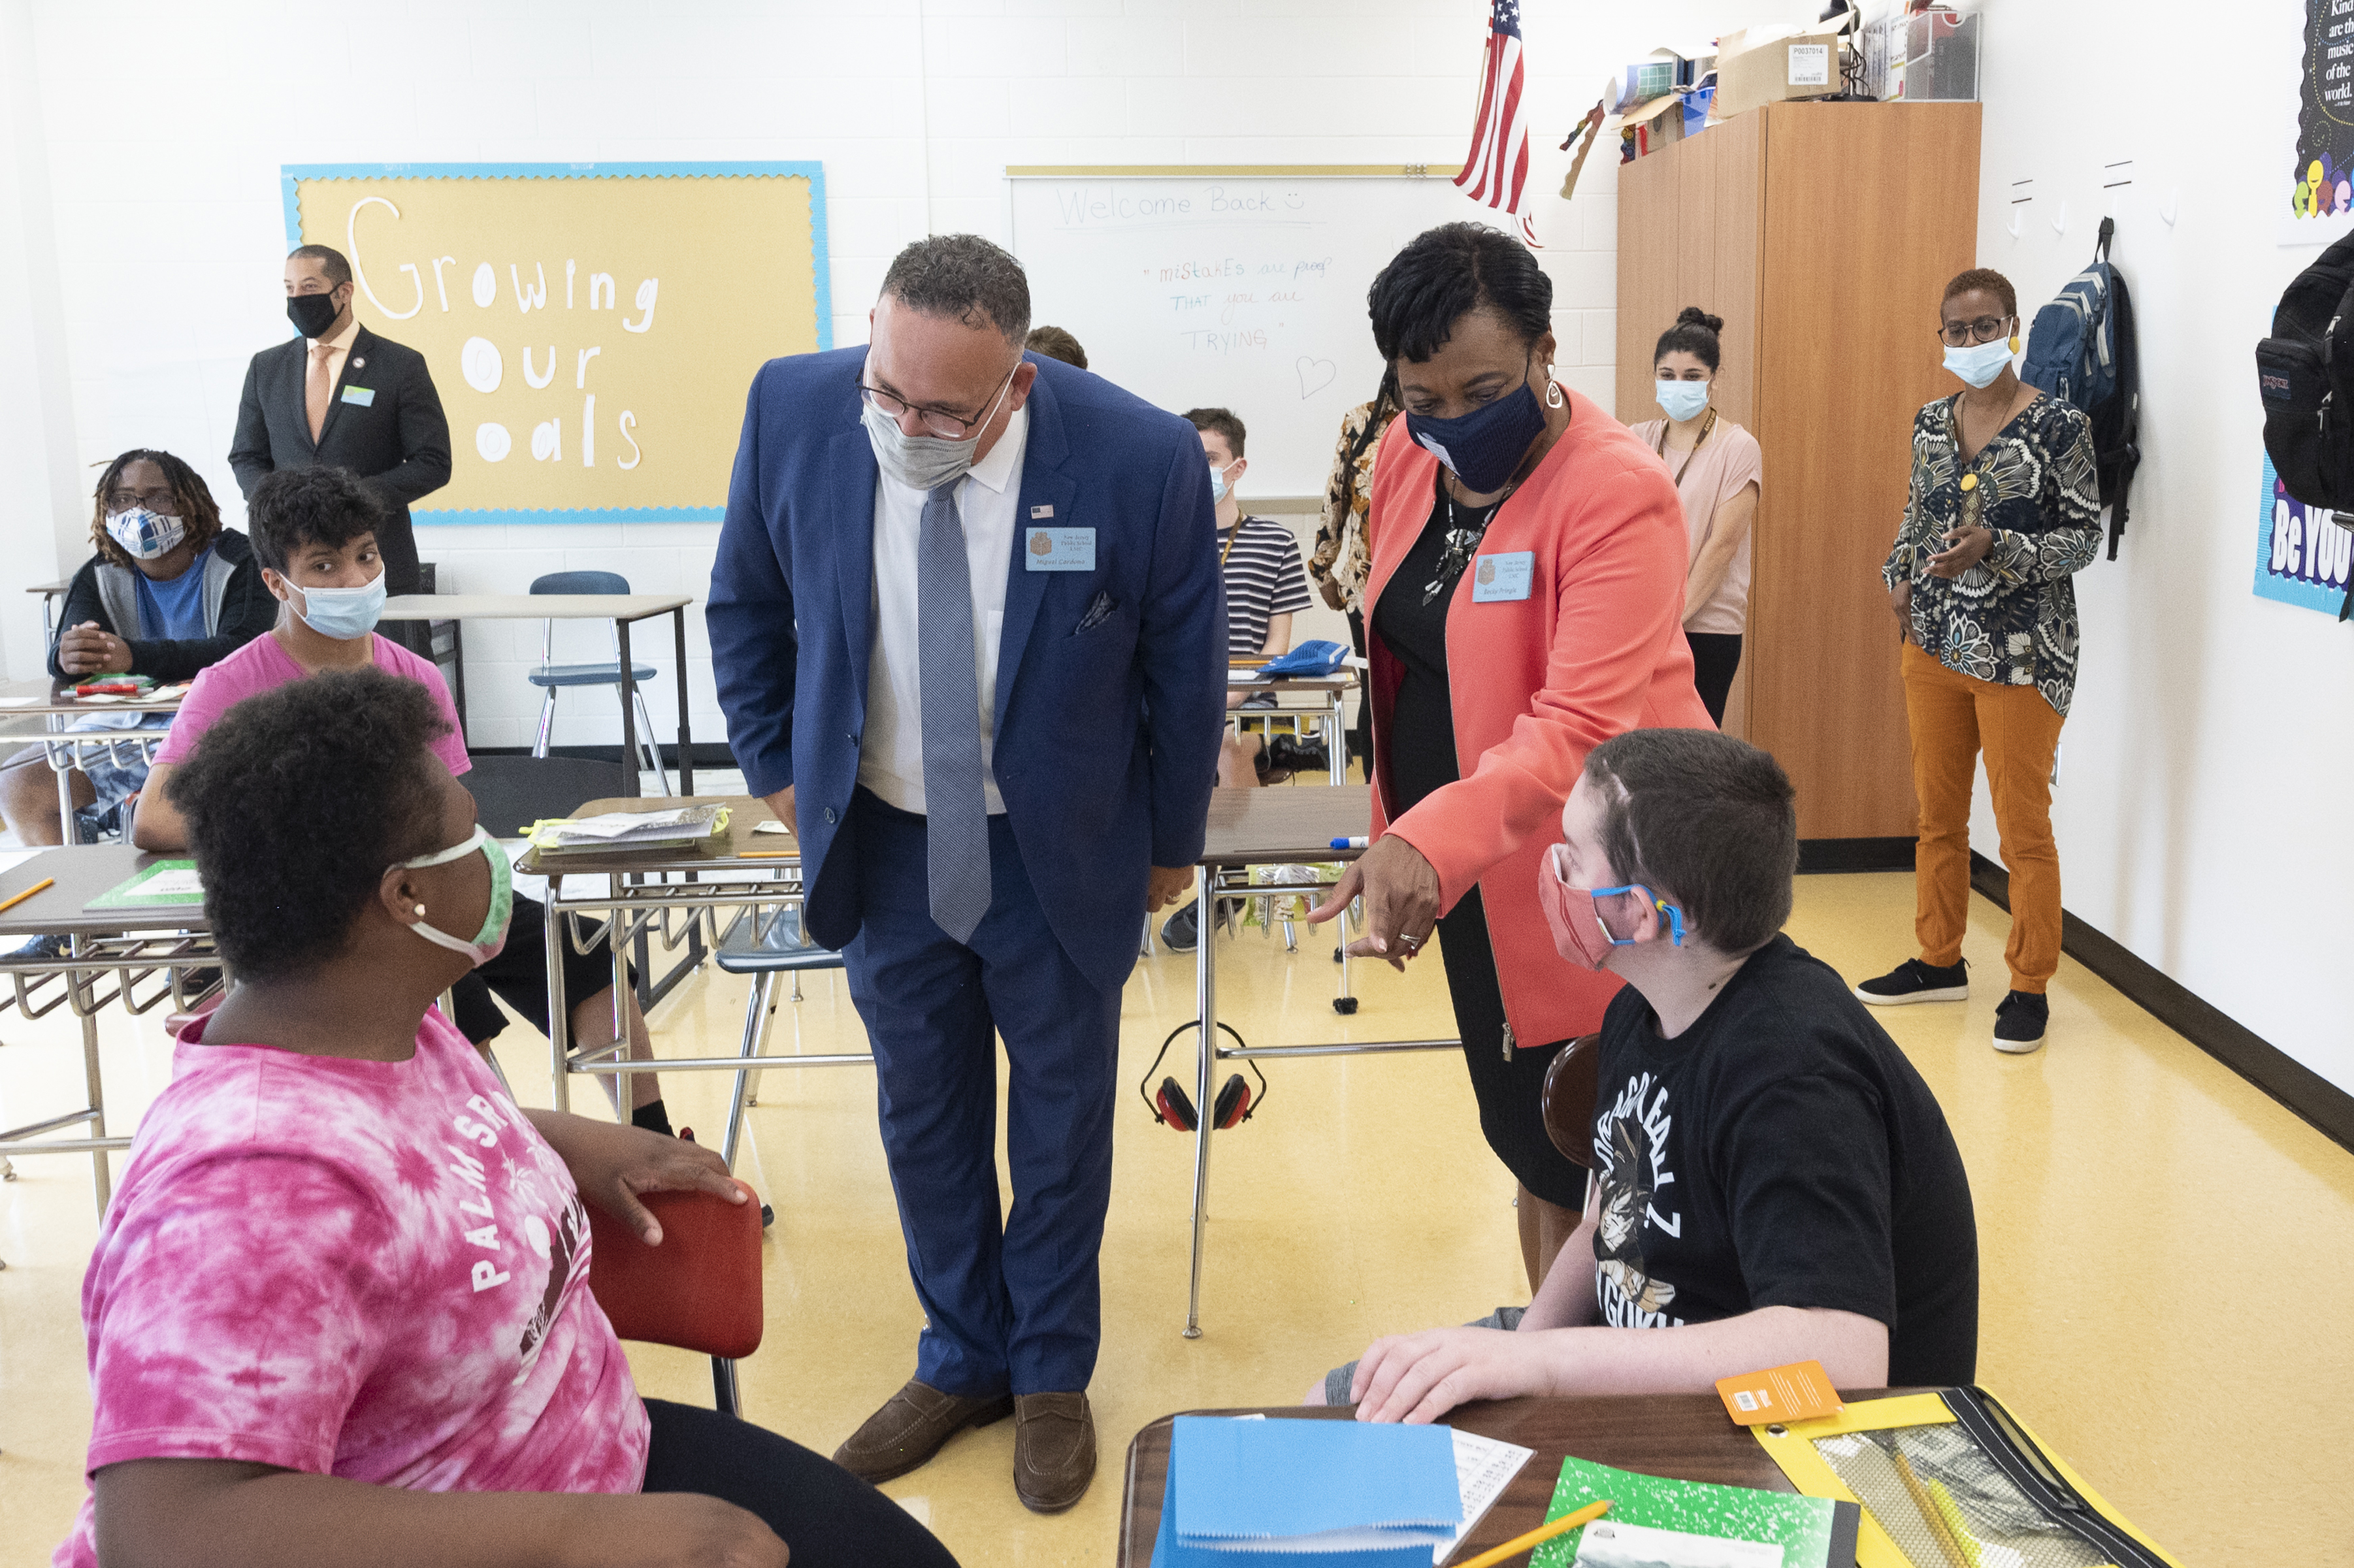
(312,314)
(1484,446)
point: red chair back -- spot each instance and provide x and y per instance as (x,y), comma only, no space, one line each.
(699,1290)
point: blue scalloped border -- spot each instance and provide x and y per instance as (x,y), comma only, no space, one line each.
(289,176)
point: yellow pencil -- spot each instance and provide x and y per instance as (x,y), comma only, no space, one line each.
(11,904)
(1540,1535)
(767,854)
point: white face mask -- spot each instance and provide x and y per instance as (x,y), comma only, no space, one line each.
(1220,485)
(922,463)
(1980,362)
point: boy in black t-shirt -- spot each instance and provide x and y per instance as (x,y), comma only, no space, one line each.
(1774,1183)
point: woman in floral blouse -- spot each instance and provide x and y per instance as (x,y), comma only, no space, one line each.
(1339,564)
(2004,511)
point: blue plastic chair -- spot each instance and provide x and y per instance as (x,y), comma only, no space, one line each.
(765,947)
(552,677)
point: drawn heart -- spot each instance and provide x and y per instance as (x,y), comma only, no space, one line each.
(1315,374)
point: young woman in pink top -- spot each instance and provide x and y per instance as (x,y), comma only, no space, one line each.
(339,1312)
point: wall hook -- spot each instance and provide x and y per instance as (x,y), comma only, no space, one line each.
(2060,219)
(2013,225)
(2173,207)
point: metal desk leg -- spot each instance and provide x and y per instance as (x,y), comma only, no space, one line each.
(629,712)
(100,1175)
(685,742)
(70,759)
(625,1084)
(1205,984)
(1336,740)
(559,1007)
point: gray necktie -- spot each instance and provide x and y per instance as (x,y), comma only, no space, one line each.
(957,831)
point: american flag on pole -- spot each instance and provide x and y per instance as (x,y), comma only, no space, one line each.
(1497,168)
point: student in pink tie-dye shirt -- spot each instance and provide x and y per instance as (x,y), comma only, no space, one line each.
(339,1311)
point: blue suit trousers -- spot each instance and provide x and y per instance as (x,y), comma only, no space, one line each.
(1013,1300)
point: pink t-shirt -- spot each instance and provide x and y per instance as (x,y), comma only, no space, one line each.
(376,1270)
(262,665)
(1716,471)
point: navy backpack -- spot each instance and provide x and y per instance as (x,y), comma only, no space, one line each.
(2081,351)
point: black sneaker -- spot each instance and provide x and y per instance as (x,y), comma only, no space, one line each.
(2018,1022)
(1913,981)
(1183,930)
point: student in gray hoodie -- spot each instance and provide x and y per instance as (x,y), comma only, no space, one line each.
(168,592)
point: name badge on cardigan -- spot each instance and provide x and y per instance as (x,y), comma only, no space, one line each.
(1060,550)
(363,395)
(1502,576)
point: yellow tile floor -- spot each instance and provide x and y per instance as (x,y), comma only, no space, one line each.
(2169,1255)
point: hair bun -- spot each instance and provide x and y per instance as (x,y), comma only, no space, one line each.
(1693,316)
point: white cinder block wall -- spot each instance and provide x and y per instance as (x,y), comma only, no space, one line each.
(162,231)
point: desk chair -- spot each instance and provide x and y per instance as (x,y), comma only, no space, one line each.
(700,1290)
(1571,1083)
(552,677)
(765,947)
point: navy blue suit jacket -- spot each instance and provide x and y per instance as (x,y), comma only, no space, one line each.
(1106,740)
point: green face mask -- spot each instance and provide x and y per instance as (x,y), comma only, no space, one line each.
(492,936)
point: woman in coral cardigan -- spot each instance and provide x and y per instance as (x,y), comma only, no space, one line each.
(1525,604)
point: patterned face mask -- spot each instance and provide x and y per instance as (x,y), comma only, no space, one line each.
(492,937)
(145,534)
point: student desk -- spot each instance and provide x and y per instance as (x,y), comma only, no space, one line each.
(623,609)
(1250,827)
(53,701)
(637,891)
(133,946)
(50,593)
(1685,1436)
(1331,691)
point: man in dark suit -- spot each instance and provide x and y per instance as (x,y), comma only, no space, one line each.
(968,626)
(341,395)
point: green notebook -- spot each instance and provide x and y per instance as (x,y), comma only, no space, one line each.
(165,885)
(1813,1532)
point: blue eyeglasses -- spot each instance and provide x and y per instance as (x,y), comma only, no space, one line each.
(1675,915)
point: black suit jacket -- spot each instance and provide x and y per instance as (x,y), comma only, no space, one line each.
(399,442)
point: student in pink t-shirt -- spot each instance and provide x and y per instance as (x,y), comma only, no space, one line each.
(315,534)
(339,1310)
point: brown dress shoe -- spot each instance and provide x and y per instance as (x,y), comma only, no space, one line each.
(911,1427)
(1053,1450)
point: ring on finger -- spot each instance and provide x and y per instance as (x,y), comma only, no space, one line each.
(1412,944)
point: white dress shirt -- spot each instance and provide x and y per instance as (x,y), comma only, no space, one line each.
(891,755)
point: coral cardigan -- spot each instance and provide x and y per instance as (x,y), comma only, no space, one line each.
(1595,649)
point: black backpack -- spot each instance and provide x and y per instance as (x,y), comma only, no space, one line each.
(2304,373)
(2081,351)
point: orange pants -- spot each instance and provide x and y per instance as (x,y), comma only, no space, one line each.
(1954,718)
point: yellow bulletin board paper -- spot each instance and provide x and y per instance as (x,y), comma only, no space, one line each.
(592,328)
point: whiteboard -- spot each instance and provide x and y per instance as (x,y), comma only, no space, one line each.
(1232,288)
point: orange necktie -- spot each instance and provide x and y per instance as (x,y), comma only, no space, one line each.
(315,389)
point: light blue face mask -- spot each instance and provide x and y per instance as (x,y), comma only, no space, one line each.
(1220,485)
(343,614)
(1681,400)
(1980,362)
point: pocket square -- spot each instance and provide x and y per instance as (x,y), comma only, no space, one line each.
(1097,613)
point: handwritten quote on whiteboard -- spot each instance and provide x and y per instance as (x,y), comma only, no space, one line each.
(592,330)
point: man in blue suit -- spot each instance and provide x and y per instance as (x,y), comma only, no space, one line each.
(969,629)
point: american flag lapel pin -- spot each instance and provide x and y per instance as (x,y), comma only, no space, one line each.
(1038,512)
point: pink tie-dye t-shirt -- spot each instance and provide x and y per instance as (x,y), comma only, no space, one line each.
(376,1270)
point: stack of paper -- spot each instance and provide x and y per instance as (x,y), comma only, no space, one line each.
(612,831)
(1307,1494)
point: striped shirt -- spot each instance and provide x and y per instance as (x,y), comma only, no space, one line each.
(1264,578)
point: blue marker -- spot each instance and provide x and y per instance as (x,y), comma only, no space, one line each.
(1351,843)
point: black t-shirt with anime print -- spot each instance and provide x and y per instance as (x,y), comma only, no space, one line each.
(1782,1152)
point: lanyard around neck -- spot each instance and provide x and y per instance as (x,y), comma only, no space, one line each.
(1661,449)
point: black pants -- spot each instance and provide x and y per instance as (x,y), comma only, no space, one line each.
(519,975)
(1510,1091)
(827,1516)
(1716,655)
(1361,734)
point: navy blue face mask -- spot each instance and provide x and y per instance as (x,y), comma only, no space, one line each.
(1483,446)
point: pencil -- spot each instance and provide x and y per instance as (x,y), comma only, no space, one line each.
(1540,1535)
(1939,1527)
(44,882)
(765,854)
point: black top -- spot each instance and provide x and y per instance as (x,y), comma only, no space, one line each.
(398,440)
(1782,1152)
(246,610)
(1420,746)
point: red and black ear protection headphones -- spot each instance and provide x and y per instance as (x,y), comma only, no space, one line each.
(1171,1106)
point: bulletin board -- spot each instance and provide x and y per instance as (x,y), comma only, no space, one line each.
(2321,172)
(2303,557)
(592,328)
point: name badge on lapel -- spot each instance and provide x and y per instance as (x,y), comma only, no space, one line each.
(1502,576)
(1059,550)
(363,395)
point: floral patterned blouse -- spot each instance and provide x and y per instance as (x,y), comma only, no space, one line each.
(2011,618)
(1341,533)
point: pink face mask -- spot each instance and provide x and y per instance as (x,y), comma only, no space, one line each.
(1576,913)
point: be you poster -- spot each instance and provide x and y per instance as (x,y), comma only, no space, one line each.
(592,328)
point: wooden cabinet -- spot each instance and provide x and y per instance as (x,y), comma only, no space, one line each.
(1824,234)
